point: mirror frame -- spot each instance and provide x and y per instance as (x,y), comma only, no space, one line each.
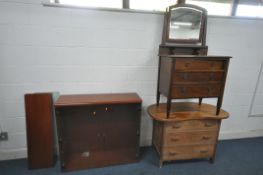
(166,28)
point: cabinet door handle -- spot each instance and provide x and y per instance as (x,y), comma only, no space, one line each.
(94,113)
(104,138)
(60,140)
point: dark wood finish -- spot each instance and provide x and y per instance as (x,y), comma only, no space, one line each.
(97,99)
(185,70)
(191,131)
(39,122)
(98,130)
(188,76)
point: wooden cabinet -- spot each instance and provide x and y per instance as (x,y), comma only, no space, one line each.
(190,132)
(98,130)
(187,76)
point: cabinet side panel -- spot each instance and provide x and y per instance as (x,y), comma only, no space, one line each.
(165,75)
(39,114)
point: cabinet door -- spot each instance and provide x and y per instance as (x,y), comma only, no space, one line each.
(79,135)
(121,129)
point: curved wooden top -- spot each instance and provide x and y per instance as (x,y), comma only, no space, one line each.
(186,111)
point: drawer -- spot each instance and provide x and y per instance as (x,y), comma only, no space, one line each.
(188,152)
(184,77)
(188,138)
(192,64)
(191,125)
(194,91)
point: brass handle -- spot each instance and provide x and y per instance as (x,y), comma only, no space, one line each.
(104,138)
(183,90)
(206,138)
(174,139)
(185,76)
(187,64)
(210,90)
(172,154)
(211,76)
(212,64)
(94,113)
(106,109)
(207,124)
(176,126)
(203,151)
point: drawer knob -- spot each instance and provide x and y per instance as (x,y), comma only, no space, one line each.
(174,139)
(106,109)
(172,154)
(94,113)
(206,138)
(203,151)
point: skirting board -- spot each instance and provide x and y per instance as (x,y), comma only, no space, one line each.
(22,153)
(8,154)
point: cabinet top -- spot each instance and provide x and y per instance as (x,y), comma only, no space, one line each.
(195,56)
(181,111)
(96,99)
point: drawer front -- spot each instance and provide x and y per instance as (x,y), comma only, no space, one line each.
(188,152)
(191,125)
(192,91)
(192,64)
(184,77)
(189,138)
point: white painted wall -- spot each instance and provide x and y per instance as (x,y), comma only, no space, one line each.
(85,51)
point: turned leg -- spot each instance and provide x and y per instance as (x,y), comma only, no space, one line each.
(219,104)
(212,159)
(168,107)
(158,97)
(200,101)
(160,163)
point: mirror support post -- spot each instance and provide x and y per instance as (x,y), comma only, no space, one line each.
(181,2)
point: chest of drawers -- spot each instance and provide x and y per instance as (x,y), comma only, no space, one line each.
(188,76)
(98,130)
(191,131)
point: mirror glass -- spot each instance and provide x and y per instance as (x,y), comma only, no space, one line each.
(185,23)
